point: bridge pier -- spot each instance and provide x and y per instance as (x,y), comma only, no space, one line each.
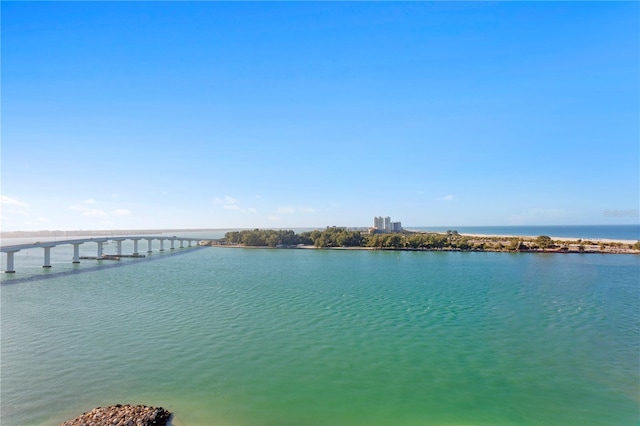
(76,253)
(135,246)
(173,240)
(161,244)
(149,251)
(10,269)
(119,247)
(47,257)
(181,243)
(99,249)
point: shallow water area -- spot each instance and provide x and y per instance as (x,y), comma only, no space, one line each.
(240,336)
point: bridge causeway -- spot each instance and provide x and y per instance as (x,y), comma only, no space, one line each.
(47,246)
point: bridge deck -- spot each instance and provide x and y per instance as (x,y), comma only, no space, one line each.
(18,247)
(47,245)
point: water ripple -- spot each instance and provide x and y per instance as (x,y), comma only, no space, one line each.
(321,337)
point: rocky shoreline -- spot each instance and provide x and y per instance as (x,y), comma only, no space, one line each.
(122,415)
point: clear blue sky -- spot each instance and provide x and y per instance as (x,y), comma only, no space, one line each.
(217,115)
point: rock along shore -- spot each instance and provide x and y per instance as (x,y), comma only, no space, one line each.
(122,415)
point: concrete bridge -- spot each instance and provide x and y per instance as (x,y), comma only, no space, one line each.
(11,250)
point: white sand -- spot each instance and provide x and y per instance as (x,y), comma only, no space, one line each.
(531,237)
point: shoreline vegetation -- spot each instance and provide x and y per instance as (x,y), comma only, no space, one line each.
(343,238)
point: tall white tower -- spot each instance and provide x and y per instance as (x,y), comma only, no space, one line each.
(378,223)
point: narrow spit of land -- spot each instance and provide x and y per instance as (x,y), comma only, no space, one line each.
(343,238)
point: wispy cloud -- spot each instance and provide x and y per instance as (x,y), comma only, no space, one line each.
(11,207)
(229,203)
(94,213)
(88,208)
(87,211)
(8,201)
(447,197)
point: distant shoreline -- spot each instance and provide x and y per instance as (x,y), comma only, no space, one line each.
(479,242)
(123,232)
(101,232)
(532,237)
(483,243)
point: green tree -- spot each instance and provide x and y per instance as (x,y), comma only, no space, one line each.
(232,237)
(514,244)
(414,241)
(375,241)
(272,240)
(463,244)
(544,242)
(393,241)
(250,238)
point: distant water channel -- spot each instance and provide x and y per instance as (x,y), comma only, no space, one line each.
(326,337)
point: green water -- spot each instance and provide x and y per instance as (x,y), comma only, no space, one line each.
(306,337)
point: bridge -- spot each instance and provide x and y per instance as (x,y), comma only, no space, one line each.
(47,246)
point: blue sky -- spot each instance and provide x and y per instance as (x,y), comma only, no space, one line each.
(120,115)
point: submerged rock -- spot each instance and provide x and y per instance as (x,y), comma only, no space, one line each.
(122,415)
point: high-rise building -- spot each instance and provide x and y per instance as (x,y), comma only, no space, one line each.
(378,223)
(384,224)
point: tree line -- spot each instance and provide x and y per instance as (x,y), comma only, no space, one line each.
(342,237)
(265,238)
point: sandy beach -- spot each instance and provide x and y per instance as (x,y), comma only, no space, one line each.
(533,237)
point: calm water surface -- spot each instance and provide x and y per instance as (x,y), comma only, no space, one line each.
(290,337)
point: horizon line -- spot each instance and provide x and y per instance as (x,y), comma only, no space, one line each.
(3,233)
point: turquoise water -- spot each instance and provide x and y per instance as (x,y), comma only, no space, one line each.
(321,337)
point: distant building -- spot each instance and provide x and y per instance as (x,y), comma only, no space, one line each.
(384,224)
